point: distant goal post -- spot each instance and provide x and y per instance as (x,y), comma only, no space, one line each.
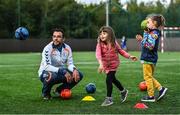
(164,32)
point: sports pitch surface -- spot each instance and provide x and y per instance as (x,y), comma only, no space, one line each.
(20,87)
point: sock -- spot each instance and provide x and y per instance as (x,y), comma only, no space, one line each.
(110,98)
(160,88)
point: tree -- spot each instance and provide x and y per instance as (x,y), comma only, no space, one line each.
(172,14)
(7,18)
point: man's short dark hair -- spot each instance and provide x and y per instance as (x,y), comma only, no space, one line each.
(58,30)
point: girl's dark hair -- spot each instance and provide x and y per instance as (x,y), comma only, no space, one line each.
(158,18)
(111,35)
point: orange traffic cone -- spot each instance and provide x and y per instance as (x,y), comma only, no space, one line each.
(141,106)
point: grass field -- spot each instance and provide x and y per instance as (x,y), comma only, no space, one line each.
(20,87)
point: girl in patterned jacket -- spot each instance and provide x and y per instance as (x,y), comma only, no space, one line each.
(149,55)
(107,50)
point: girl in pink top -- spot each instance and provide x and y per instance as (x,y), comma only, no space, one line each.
(107,50)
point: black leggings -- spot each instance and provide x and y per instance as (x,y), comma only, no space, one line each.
(112,79)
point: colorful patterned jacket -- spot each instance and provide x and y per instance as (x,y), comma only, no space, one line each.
(150,46)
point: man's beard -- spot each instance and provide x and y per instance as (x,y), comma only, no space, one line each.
(56,42)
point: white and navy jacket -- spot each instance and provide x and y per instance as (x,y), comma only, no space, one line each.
(54,58)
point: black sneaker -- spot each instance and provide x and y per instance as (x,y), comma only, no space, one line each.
(124,94)
(148,99)
(162,92)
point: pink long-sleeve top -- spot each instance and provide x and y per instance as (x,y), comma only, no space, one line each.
(109,56)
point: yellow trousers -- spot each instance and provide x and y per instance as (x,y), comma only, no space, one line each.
(151,82)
